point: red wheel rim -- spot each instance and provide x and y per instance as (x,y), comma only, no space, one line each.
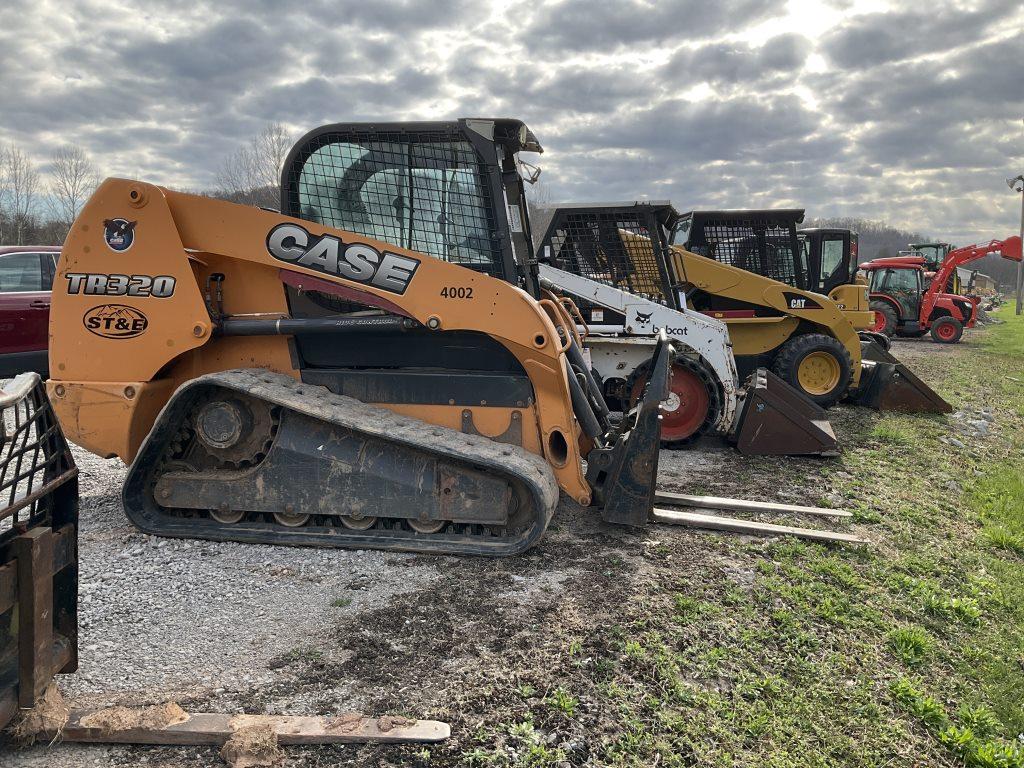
(945,331)
(879,326)
(686,408)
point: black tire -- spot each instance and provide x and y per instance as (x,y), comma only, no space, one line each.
(797,349)
(947,330)
(891,320)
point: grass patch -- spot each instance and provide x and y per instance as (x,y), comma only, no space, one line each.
(1007,337)
(341,602)
(891,432)
(790,653)
(563,701)
(998,498)
(910,644)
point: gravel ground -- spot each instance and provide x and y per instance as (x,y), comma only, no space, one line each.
(166,616)
(228,627)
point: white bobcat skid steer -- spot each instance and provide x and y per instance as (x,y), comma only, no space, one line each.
(765,417)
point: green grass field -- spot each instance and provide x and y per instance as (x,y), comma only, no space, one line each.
(909,652)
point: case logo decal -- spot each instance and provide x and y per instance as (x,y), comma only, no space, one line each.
(357,262)
(119,234)
(115,321)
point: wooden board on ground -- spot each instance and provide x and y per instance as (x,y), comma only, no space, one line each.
(207,728)
(734,525)
(742,505)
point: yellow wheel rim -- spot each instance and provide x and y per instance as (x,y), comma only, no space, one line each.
(819,373)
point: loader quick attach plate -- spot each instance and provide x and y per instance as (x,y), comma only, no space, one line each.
(38,547)
(332,471)
(624,475)
(777,420)
(886,384)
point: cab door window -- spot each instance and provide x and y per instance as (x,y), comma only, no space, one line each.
(427,196)
(831,263)
(904,285)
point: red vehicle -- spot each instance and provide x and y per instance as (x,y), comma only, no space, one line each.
(905,305)
(26,276)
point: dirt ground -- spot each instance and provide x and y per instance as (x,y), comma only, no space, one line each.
(474,642)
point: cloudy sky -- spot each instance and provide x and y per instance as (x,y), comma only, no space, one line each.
(908,111)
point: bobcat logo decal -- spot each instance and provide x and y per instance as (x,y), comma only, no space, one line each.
(119,234)
(642,318)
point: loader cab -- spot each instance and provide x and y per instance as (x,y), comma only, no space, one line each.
(831,257)
(934,254)
(760,241)
(450,190)
(902,285)
(618,244)
(623,245)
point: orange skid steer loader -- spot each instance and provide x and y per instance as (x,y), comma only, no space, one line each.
(382,372)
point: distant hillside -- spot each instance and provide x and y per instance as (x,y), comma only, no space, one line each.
(877,239)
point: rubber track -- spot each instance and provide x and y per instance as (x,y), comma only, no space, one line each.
(530,472)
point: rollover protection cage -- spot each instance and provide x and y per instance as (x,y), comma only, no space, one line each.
(433,187)
(38,547)
(618,245)
(764,242)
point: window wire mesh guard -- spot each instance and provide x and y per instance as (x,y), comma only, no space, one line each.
(609,248)
(755,246)
(31,453)
(421,191)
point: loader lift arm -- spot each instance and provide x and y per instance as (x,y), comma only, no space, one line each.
(1010,249)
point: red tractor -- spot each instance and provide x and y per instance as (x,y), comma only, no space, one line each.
(905,303)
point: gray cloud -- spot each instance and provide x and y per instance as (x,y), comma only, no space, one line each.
(923,28)
(603,25)
(911,115)
(723,63)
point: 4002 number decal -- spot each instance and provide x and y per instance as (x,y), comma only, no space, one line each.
(457,292)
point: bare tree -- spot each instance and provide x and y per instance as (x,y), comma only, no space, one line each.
(5,189)
(23,185)
(74,179)
(252,173)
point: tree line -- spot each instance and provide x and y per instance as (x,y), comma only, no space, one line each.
(39,202)
(877,240)
(38,208)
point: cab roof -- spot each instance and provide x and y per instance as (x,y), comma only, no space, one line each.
(895,262)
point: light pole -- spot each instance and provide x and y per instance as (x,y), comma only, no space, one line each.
(1017,185)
